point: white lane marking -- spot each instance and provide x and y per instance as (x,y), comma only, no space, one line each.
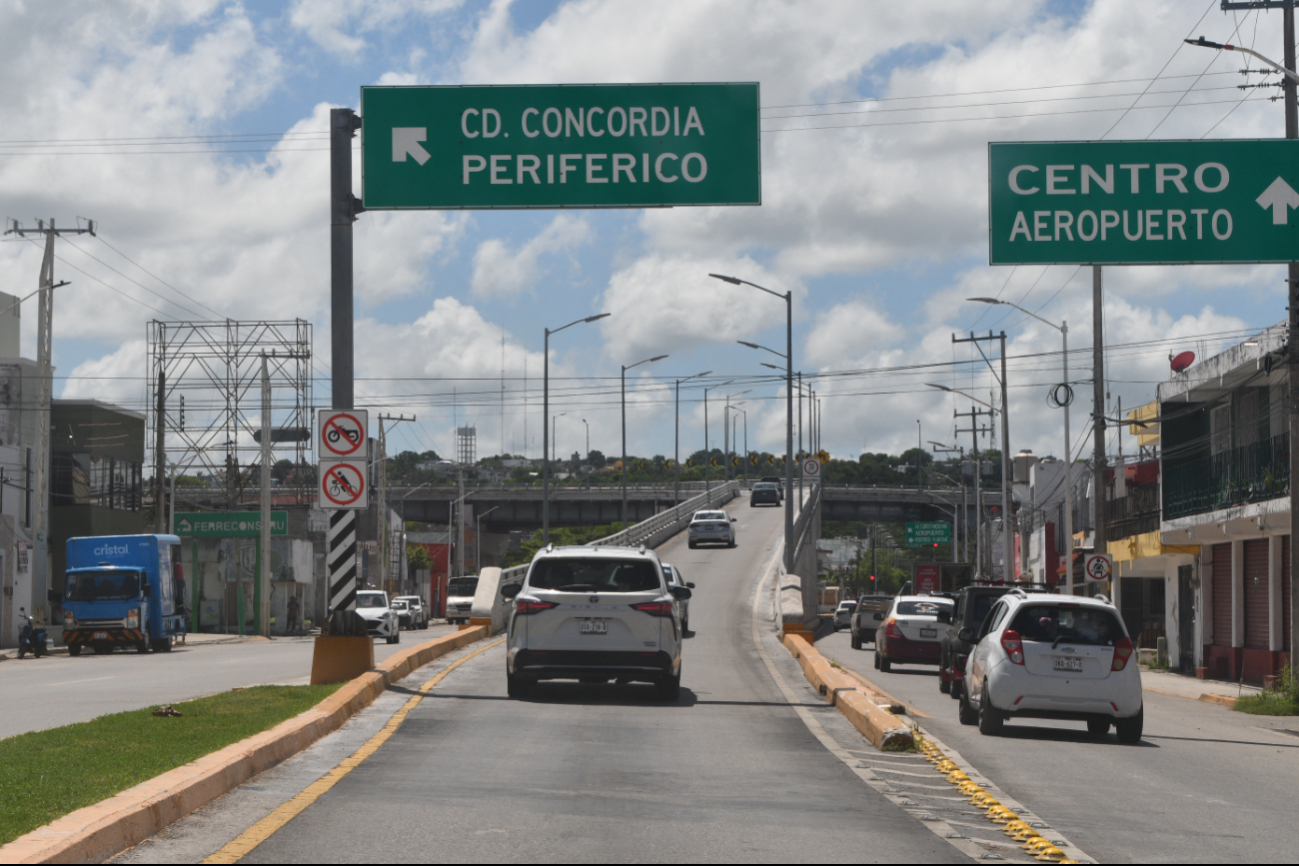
(79,682)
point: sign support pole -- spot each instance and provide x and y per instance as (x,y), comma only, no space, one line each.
(1100,544)
(1292,292)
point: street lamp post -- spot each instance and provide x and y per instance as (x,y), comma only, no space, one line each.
(745,413)
(554,436)
(708,454)
(676,438)
(625,368)
(978,477)
(728,434)
(545,431)
(1063,328)
(788,297)
(587,455)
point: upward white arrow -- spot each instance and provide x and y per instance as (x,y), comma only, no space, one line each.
(406,140)
(1280,197)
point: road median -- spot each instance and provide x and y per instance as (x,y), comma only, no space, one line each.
(883,729)
(98,832)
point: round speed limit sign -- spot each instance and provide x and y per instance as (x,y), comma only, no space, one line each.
(1097,566)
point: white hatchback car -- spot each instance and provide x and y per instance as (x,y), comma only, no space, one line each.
(1053,657)
(674,577)
(595,614)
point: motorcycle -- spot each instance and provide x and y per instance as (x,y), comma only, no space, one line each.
(32,637)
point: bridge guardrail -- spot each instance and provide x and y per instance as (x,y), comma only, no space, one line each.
(490,607)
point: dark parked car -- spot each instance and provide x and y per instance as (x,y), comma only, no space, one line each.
(764,493)
(972,606)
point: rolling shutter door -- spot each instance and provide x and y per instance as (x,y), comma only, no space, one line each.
(1256,592)
(1221,594)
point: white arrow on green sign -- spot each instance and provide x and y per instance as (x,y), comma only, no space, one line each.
(228,524)
(1143,202)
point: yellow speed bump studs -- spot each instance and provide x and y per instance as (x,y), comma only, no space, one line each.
(1033,843)
(1051,854)
(1001,815)
(1016,826)
(1024,834)
(956,776)
(983,801)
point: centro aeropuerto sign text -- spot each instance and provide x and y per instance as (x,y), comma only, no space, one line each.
(1143,202)
(556,146)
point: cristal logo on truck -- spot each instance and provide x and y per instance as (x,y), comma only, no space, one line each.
(112,550)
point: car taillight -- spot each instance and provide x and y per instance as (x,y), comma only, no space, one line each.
(532,605)
(891,629)
(1122,652)
(654,608)
(1014,647)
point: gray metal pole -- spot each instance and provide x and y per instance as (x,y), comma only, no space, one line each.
(789,432)
(676,449)
(1007,538)
(1068,474)
(624,448)
(707,454)
(1292,131)
(343,209)
(800,434)
(264,572)
(1098,411)
(545,441)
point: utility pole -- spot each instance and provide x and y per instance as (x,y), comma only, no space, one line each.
(974,431)
(1292,131)
(1008,542)
(262,590)
(44,343)
(1098,414)
(385,531)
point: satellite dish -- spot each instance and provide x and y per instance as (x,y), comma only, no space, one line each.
(1179,363)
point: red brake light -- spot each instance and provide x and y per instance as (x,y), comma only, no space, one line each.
(532,605)
(654,608)
(891,629)
(1013,645)
(1122,652)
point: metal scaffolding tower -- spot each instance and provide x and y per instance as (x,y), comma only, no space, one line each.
(467,446)
(208,380)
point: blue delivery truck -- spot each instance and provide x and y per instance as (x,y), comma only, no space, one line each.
(123,591)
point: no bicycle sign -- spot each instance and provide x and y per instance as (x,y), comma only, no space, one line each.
(342,484)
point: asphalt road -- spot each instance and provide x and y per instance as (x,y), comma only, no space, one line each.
(1205,785)
(58,690)
(592,773)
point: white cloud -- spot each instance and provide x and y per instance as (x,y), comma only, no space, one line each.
(498,270)
(339,25)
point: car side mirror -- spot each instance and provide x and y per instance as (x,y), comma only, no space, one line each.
(511,590)
(968,635)
(690,585)
(680,593)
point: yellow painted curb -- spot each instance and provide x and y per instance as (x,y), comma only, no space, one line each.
(884,730)
(1220,700)
(98,832)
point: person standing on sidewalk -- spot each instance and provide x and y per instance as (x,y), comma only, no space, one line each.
(292,611)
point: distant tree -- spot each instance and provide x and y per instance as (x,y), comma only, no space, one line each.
(596,459)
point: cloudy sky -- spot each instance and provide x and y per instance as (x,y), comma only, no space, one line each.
(195,134)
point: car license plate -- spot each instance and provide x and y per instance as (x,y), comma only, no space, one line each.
(592,626)
(1062,664)
(929,632)
(101,635)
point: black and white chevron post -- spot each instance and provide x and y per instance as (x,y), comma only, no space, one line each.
(340,561)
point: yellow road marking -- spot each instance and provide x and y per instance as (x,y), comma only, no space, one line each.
(255,835)
(879,691)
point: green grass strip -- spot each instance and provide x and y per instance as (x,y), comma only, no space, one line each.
(1282,700)
(45,775)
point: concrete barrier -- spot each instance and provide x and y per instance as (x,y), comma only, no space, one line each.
(792,618)
(884,730)
(101,831)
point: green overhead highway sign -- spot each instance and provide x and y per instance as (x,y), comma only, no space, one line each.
(559,146)
(228,524)
(928,534)
(1143,202)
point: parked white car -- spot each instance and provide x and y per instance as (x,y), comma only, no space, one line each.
(711,527)
(419,615)
(683,605)
(380,619)
(594,614)
(1053,657)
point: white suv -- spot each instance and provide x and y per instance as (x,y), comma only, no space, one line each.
(595,614)
(380,619)
(1053,657)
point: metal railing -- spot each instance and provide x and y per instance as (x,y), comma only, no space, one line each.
(1134,514)
(1250,473)
(646,531)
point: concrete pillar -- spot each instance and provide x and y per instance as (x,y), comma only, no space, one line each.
(1203,622)
(1237,594)
(1275,640)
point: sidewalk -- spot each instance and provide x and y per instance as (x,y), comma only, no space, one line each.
(190,640)
(1210,691)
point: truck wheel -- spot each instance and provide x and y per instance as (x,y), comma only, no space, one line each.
(162,645)
(143,645)
(516,687)
(885,664)
(856,642)
(74,649)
